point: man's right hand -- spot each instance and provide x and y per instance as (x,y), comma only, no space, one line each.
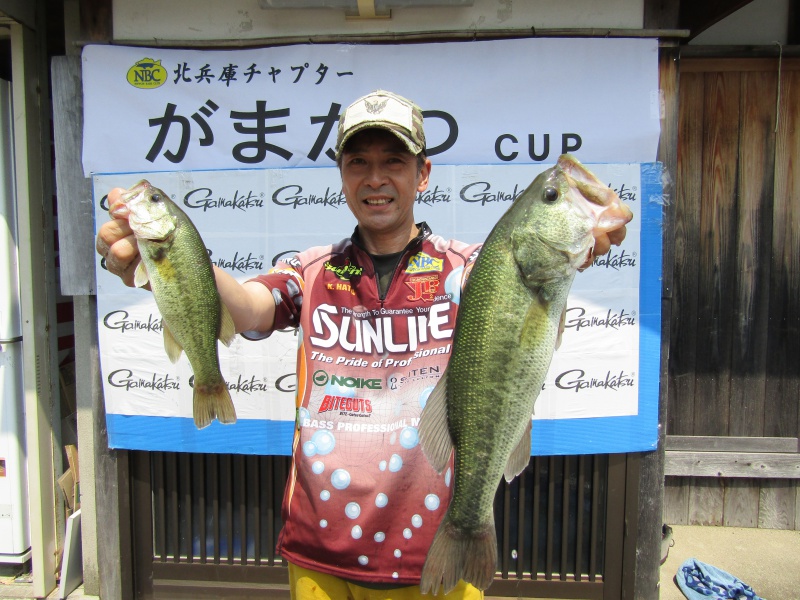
(117,243)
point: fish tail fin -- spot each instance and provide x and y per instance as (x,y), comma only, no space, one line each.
(213,401)
(456,554)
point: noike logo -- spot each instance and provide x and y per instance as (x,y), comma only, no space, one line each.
(321,378)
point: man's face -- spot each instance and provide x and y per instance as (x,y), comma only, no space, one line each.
(380,180)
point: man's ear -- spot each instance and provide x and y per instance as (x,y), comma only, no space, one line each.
(424,175)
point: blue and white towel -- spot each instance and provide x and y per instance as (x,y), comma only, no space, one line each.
(699,581)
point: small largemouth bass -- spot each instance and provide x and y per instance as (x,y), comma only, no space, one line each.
(509,323)
(176,264)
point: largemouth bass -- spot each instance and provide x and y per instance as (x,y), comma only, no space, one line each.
(508,325)
(176,264)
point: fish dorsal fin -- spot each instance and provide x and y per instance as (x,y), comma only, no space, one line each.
(521,455)
(140,276)
(434,432)
(171,345)
(227,329)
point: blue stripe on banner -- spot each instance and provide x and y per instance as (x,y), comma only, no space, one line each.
(601,435)
(638,432)
(650,284)
(175,434)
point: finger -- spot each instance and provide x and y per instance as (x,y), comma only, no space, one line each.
(111,232)
(125,251)
(124,268)
(116,230)
(116,205)
(122,258)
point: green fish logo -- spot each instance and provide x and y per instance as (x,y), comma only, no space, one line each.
(344,272)
(147,74)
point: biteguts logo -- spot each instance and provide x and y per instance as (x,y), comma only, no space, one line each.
(422,263)
(344,272)
(147,74)
(351,407)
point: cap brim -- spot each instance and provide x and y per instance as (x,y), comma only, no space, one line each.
(396,130)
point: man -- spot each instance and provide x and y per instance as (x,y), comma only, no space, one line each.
(377,313)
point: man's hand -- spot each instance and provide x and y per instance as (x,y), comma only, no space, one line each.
(117,243)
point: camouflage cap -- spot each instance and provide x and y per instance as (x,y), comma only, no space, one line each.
(383,110)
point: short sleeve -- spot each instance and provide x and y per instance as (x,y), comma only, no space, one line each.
(286,284)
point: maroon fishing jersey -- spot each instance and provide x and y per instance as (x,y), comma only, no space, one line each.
(362,502)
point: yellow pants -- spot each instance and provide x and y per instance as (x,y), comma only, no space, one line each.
(305,584)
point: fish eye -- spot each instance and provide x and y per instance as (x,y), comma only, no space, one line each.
(550,194)
(155,198)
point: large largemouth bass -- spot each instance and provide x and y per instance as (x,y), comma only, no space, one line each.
(176,264)
(508,326)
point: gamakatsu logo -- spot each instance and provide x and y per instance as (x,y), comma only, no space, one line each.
(321,378)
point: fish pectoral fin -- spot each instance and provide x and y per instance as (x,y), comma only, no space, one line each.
(520,457)
(227,329)
(562,324)
(171,345)
(140,276)
(434,431)
(535,322)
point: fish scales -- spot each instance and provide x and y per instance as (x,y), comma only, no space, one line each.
(507,329)
(175,262)
(485,431)
(189,305)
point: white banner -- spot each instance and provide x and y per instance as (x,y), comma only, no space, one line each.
(489,102)
(594,375)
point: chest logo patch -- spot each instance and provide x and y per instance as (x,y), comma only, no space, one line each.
(423,263)
(423,287)
(346,271)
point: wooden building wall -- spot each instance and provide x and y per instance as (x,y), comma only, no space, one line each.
(733,417)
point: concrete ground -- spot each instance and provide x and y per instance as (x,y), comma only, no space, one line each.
(768,560)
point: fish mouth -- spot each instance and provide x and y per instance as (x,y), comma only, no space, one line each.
(120,209)
(593,196)
(133,205)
